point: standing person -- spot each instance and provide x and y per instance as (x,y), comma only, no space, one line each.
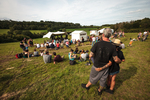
(93,40)
(22,46)
(25,41)
(82,41)
(102,52)
(114,69)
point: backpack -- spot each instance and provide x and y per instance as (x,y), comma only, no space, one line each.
(16,55)
(72,62)
(20,55)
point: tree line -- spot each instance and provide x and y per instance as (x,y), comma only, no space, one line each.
(20,29)
(133,26)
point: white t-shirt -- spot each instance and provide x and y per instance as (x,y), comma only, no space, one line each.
(42,45)
(145,33)
(93,39)
(83,55)
(122,45)
(38,45)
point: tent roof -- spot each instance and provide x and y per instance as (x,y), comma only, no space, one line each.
(59,33)
(78,32)
(54,33)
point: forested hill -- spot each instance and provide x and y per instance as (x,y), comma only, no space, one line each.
(42,25)
(133,26)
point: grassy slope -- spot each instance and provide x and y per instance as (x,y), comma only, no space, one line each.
(4,31)
(33,79)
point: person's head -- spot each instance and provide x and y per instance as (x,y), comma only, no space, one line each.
(82,51)
(71,50)
(41,51)
(121,42)
(118,48)
(116,42)
(34,49)
(46,51)
(87,51)
(107,32)
(54,53)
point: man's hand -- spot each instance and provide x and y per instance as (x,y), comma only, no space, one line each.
(98,69)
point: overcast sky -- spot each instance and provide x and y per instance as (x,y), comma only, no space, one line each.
(85,12)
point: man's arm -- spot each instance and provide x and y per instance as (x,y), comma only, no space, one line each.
(106,66)
(116,59)
(91,54)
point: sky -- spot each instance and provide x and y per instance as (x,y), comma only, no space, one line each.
(85,12)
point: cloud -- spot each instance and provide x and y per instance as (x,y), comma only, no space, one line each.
(85,12)
(136,11)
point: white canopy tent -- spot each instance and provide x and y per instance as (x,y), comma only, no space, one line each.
(49,34)
(101,31)
(78,35)
(94,32)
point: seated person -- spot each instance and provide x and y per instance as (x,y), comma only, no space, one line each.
(76,50)
(52,45)
(72,57)
(26,54)
(67,43)
(38,45)
(62,45)
(22,46)
(87,55)
(122,45)
(41,52)
(83,56)
(47,45)
(57,58)
(35,53)
(57,45)
(131,41)
(47,57)
(42,45)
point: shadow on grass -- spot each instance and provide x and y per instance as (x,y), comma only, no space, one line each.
(124,75)
(5,78)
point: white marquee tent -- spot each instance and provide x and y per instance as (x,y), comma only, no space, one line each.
(49,34)
(94,32)
(78,35)
(101,31)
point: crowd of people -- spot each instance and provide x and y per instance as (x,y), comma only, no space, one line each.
(105,54)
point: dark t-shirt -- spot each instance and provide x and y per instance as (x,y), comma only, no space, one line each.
(58,58)
(103,52)
(115,66)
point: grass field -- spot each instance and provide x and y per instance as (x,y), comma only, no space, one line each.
(4,31)
(32,79)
